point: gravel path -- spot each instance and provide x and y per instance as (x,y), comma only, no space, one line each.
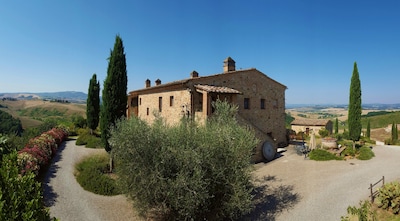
(301,189)
(290,187)
(68,201)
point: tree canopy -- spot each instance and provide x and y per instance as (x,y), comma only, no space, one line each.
(93,103)
(114,91)
(354,121)
(9,125)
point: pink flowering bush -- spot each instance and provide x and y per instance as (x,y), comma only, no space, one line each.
(29,162)
(38,152)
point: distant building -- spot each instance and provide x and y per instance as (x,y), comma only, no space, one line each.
(261,102)
(306,125)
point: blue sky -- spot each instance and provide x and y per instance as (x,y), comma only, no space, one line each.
(310,45)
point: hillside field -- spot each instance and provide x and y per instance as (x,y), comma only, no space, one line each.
(380,125)
(33,112)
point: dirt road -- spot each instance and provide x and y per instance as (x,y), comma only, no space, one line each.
(301,189)
(68,201)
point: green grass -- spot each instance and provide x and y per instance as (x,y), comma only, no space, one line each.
(323,155)
(383,120)
(92,175)
(90,141)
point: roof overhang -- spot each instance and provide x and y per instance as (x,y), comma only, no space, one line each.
(215,89)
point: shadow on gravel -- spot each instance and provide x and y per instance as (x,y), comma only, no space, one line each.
(271,201)
(49,196)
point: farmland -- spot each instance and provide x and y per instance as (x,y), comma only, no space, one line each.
(33,112)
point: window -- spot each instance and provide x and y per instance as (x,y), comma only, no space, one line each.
(160,104)
(140,101)
(262,103)
(246,103)
(171,101)
(147,111)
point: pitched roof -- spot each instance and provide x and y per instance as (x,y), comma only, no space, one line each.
(310,122)
(216,89)
(195,80)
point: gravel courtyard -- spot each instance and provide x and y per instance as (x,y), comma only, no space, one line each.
(290,187)
(310,190)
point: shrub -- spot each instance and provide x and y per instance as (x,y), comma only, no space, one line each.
(20,196)
(92,176)
(365,153)
(186,172)
(38,152)
(389,197)
(91,141)
(322,155)
(363,213)
(94,142)
(323,132)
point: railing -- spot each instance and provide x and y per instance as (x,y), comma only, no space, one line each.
(371,186)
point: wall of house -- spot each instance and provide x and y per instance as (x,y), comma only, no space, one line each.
(303,128)
(255,86)
(172,113)
(315,129)
(268,122)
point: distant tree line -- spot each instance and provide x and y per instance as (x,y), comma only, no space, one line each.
(376,113)
(60,101)
(9,99)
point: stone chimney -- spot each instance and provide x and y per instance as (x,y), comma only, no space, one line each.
(194,74)
(229,64)
(147,83)
(158,82)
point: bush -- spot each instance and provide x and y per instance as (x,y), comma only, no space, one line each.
(92,176)
(94,142)
(363,213)
(365,153)
(322,155)
(186,172)
(38,152)
(20,196)
(323,132)
(389,197)
(90,141)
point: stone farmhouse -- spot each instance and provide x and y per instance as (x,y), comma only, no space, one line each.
(308,125)
(260,100)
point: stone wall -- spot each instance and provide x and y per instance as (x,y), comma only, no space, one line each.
(149,106)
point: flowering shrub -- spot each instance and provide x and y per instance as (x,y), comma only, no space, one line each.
(38,151)
(28,163)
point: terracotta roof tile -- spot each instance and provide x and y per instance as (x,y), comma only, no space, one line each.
(217,89)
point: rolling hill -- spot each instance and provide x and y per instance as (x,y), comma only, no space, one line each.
(70,96)
(33,112)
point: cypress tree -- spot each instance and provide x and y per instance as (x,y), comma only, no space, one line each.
(354,111)
(336,126)
(368,129)
(394,133)
(93,104)
(114,91)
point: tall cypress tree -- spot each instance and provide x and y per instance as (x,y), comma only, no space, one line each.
(93,104)
(354,115)
(368,129)
(114,91)
(336,126)
(394,133)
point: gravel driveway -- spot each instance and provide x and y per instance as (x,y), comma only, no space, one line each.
(68,201)
(301,189)
(290,187)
